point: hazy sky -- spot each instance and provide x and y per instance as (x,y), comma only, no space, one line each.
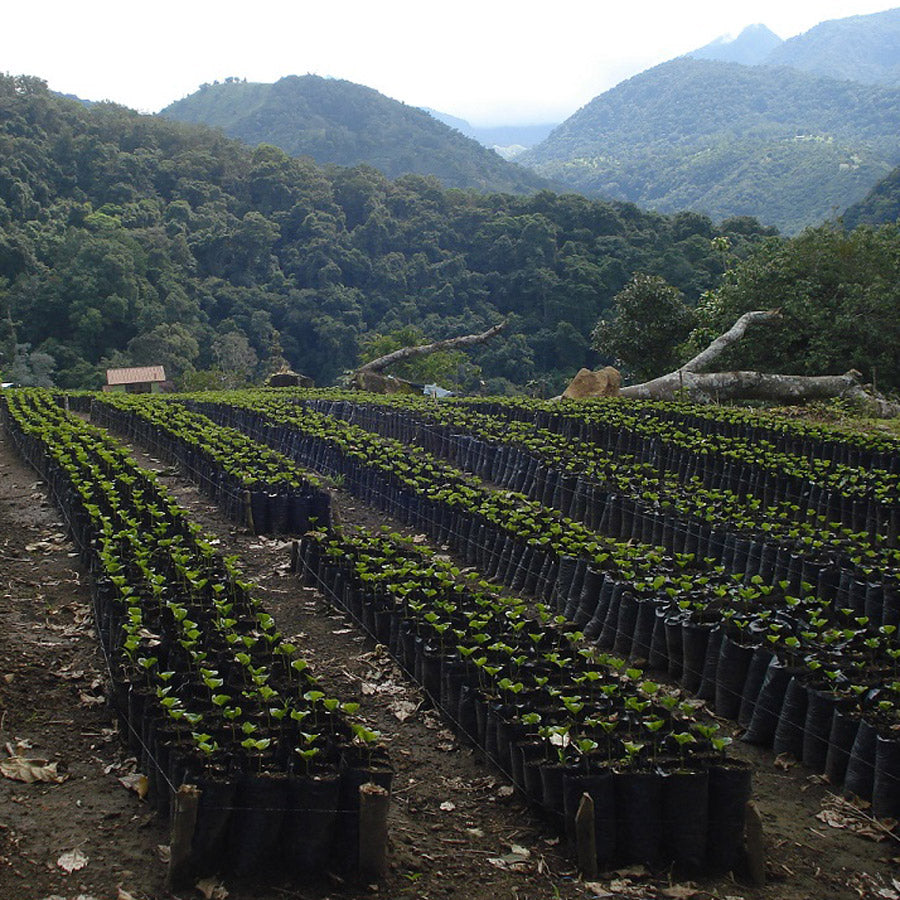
(488,61)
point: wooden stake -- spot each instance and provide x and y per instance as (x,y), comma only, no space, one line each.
(184,819)
(585,838)
(248,512)
(374,801)
(755,852)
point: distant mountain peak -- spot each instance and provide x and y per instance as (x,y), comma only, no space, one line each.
(750,47)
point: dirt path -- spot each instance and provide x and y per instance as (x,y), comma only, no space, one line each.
(454,823)
(52,683)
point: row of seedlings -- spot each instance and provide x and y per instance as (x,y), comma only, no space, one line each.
(784,435)
(803,676)
(634,500)
(207,690)
(858,489)
(847,582)
(559,718)
(819,441)
(252,485)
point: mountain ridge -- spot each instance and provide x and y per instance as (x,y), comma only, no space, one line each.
(863,48)
(725,139)
(136,240)
(338,122)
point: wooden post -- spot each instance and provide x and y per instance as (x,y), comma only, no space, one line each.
(754,847)
(585,838)
(184,819)
(374,801)
(295,557)
(248,512)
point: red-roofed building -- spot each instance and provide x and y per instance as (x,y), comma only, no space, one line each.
(139,380)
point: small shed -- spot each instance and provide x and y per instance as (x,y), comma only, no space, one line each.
(139,380)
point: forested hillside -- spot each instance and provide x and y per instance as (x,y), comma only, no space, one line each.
(858,48)
(135,239)
(880,206)
(335,121)
(726,139)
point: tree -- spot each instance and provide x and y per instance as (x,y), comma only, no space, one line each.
(648,320)
(235,357)
(113,224)
(31,368)
(838,294)
(170,346)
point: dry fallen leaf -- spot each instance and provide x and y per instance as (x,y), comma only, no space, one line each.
(838,812)
(402,709)
(212,889)
(874,886)
(122,894)
(598,890)
(680,891)
(20,768)
(633,872)
(91,699)
(37,545)
(137,783)
(69,674)
(72,861)
(511,863)
(516,860)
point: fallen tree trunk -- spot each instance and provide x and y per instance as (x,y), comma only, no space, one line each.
(713,387)
(688,383)
(404,353)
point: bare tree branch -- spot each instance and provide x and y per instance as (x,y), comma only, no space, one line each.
(466,340)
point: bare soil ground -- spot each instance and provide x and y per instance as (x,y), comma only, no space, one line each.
(457,829)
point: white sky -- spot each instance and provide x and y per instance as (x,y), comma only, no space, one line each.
(488,61)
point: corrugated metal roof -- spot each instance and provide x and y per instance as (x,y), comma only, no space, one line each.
(139,375)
